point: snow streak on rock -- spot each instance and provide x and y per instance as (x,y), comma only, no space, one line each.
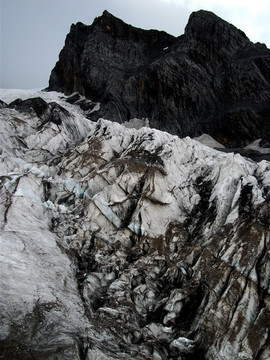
(119,243)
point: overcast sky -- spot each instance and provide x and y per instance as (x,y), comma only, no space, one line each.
(33,31)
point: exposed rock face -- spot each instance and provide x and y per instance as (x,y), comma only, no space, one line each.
(120,243)
(210,80)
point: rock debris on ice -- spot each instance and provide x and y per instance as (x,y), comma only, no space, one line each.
(120,243)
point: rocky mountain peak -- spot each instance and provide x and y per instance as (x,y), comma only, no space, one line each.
(211,80)
(205,26)
(109,19)
(106,14)
(214,40)
(109,23)
(118,29)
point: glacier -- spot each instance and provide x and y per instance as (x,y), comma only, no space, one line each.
(121,242)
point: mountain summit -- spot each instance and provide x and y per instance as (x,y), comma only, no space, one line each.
(210,80)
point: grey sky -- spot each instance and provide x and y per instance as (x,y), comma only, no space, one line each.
(33,31)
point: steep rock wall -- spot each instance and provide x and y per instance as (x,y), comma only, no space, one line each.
(210,80)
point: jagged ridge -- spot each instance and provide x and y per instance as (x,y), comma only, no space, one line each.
(210,80)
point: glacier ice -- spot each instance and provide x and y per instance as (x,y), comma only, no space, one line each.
(129,243)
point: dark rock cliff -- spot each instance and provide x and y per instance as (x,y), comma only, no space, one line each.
(210,80)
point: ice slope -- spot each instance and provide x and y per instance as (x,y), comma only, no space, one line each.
(120,243)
